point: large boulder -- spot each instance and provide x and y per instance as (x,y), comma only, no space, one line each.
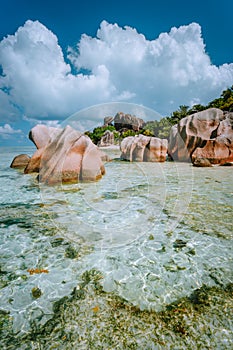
(41,135)
(143,148)
(126,148)
(206,135)
(20,161)
(68,156)
(156,150)
(128,121)
(218,151)
(33,165)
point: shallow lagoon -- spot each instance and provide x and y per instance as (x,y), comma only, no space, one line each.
(140,259)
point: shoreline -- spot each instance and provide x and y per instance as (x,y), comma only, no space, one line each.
(113,147)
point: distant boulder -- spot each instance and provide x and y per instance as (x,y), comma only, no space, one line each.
(204,135)
(68,156)
(107,139)
(108,121)
(143,149)
(20,161)
(128,121)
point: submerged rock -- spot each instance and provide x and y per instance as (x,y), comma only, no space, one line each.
(20,161)
(36,292)
(143,149)
(204,135)
(64,155)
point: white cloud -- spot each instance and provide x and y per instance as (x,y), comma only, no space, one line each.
(53,123)
(34,121)
(123,66)
(39,81)
(172,67)
(6,131)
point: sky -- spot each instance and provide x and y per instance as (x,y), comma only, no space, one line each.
(59,57)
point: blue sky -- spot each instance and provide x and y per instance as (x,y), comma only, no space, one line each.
(42,66)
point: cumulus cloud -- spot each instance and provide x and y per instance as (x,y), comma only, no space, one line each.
(119,64)
(34,121)
(7,131)
(37,80)
(172,69)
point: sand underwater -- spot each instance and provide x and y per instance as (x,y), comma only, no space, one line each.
(141,259)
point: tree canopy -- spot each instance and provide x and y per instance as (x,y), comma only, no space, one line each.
(162,127)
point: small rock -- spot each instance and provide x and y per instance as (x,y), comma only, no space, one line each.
(20,161)
(202,162)
(36,292)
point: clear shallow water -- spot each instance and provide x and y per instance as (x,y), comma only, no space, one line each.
(156,233)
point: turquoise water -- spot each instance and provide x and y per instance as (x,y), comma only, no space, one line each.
(140,259)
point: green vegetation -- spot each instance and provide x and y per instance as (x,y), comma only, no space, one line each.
(225,102)
(162,127)
(128,133)
(157,128)
(98,132)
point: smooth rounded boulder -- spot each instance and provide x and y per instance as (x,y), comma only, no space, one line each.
(204,135)
(41,135)
(143,148)
(64,156)
(20,161)
(128,121)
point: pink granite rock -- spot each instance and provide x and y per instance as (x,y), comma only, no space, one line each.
(20,161)
(107,139)
(156,151)
(64,155)
(206,135)
(41,135)
(128,121)
(143,148)
(33,165)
